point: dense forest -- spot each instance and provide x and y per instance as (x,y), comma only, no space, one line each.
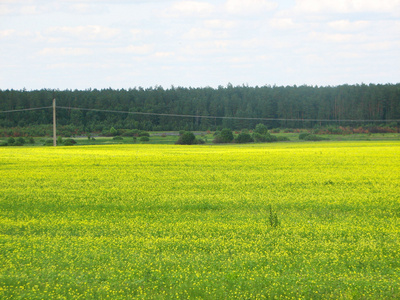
(274,106)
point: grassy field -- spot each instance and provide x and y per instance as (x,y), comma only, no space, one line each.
(283,220)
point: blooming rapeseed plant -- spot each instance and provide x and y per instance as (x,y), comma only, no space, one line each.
(163,221)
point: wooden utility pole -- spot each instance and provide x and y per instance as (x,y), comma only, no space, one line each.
(54,123)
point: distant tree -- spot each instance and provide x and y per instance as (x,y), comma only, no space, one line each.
(187,138)
(261,129)
(21,140)
(243,137)
(11,141)
(113,131)
(226,136)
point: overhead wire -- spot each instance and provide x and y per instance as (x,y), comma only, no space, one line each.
(198,116)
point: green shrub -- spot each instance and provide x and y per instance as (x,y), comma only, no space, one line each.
(118,138)
(261,129)
(144,133)
(226,136)
(3,144)
(187,138)
(144,139)
(282,139)
(11,141)
(303,135)
(243,137)
(113,131)
(69,141)
(21,140)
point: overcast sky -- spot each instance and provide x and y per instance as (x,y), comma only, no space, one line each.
(81,44)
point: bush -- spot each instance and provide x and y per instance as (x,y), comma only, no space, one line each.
(243,137)
(69,141)
(48,143)
(282,139)
(303,135)
(31,140)
(113,131)
(11,141)
(118,138)
(187,138)
(226,136)
(264,138)
(21,140)
(144,133)
(3,144)
(261,129)
(144,139)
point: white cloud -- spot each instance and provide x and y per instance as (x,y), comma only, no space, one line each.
(192,8)
(163,54)
(6,33)
(91,32)
(347,6)
(66,51)
(201,33)
(5,10)
(282,23)
(218,23)
(346,25)
(29,10)
(337,37)
(132,49)
(249,6)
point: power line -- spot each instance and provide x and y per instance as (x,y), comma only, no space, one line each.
(24,109)
(216,117)
(198,116)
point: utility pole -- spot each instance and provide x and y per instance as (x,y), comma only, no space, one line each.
(54,123)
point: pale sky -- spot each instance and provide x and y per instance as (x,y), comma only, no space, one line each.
(82,44)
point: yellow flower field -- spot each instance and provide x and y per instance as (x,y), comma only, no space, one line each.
(288,220)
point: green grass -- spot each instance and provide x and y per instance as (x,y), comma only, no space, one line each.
(168,221)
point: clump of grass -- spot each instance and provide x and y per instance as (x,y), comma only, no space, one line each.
(273,217)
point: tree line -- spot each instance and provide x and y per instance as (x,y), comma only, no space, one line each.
(215,108)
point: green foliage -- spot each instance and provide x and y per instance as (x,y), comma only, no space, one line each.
(273,218)
(226,136)
(243,137)
(31,140)
(48,142)
(144,139)
(187,138)
(118,138)
(273,102)
(261,129)
(264,138)
(69,142)
(303,135)
(10,141)
(315,138)
(21,140)
(282,138)
(113,131)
